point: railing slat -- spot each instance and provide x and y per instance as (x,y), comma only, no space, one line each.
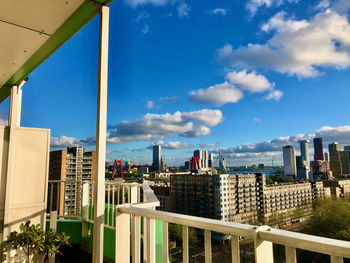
(291,255)
(135,239)
(185,251)
(207,246)
(108,202)
(235,249)
(165,242)
(335,259)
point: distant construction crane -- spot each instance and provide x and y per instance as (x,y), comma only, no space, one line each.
(121,168)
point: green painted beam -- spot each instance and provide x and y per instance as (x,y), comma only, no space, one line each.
(73,24)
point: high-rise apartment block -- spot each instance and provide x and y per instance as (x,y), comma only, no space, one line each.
(240,197)
(289,162)
(318,149)
(304,151)
(157,158)
(203,158)
(222,163)
(335,159)
(211,161)
(73,166)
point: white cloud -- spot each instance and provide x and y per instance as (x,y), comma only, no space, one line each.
(323,5)
(173,99)
(150,104)
(3,122)
(135,3)
(249,81)
(208,145)
(254,5)
(218,94)
(157,126)
(145,29)
(183,9)
(64,141)
(217,11)
(341,6)
(329,134)
(172,145)
(298,48)
(274,95)
(256,120)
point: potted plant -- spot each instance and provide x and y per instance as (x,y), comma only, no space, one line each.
(36,243)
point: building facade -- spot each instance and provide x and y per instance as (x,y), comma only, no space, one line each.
(304,151)
(289,162)
(73,166)
(335,159)
(318,149)
(157,158)
(242,198)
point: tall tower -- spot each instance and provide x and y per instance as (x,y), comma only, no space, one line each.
(335,159)
(289,161)
(318,149)
(304,151)
(202,156)
(157,156)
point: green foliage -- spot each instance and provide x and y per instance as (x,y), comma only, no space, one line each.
(276,178)
(269,180)
(330,218)
(35,241)
(175,234)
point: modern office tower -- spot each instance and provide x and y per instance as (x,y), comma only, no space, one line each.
(318,149)
(335,159)
(304,151)
(203,158)
(187,165)
(302,169)
(211,161)
(345,162)
(72,165)
(289,162)
(222,163)
(157,156)
(326,157)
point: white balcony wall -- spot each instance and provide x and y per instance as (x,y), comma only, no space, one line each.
(26,193)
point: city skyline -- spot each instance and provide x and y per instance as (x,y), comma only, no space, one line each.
(192,75)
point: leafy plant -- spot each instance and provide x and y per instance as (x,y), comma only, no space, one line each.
(35,241)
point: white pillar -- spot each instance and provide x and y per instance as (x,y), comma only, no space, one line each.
(101,129)
(10,159)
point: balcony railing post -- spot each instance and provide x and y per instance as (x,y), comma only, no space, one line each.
(135,239)
(133,194)
(263,249)
(85,209)
(151,241)
(207,246)
(185,250)
(165,243)
(235,248)
(291,255)
(122,237)
(335,259)
(53,226)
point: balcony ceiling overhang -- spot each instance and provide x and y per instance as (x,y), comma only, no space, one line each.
(32,30)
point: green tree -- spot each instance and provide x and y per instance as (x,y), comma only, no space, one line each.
(36,242)
(330,218)
(175,233)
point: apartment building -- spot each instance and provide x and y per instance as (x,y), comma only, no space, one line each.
(241,198)
(72,165)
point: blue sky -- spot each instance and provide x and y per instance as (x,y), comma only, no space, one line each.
(240,77)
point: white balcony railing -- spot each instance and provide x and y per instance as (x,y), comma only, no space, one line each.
(128,205)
